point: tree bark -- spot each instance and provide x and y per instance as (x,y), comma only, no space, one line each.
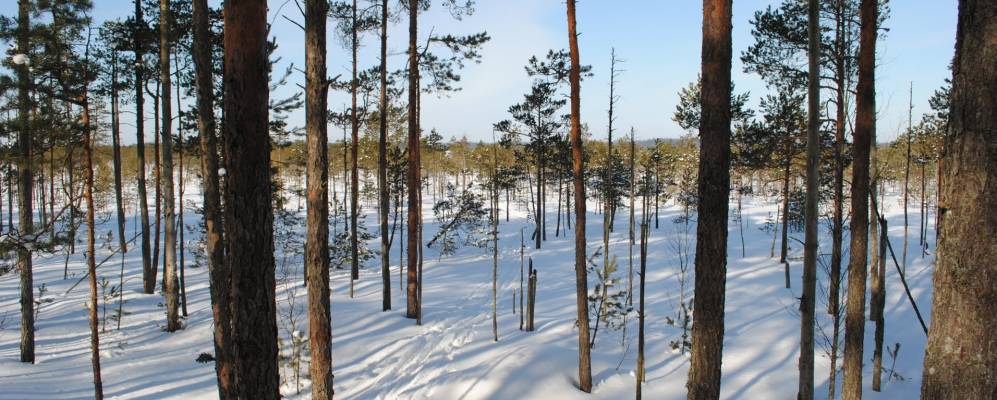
(24,184)
(218,271)
(91,256)
(808,299)
(713,187)
(960,360)
(413,172)
(865,126)
(171,285)
(383,194)
(148,272)
(354,143)
(317,242)
(578,167)
(248,208)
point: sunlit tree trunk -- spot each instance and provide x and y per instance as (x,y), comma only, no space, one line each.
(218,270)
(713,187)
(865,126)
(961,355)
(578,167)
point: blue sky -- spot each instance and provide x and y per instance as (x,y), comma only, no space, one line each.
(658,39)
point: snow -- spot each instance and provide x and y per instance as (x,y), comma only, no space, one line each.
(20,59)
(382,355)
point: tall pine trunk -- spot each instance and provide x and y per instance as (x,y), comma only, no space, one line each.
(248,207)
(961,355)
(354,143)
(865,126)
(383,195)
(91,256)
(413,173)
(713,187)
(25,179)
(578,168)
(218,270)
(317,242)
(808,299)
(148,271)
(171,285)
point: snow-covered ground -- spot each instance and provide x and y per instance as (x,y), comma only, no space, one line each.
(383,355)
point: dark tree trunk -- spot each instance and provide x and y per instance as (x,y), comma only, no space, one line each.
(148,271)
(961,356)
(116,155)
(171,285)
(248,207)
(354,143)
(383,195)
(713,187)
(865,126)
(24,184)
(91,256)
(218,270)
(317,242)
(413,172)
(578,167)
(157,170)
(807,301)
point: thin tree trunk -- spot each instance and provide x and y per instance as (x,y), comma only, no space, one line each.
(414,175)
(180,191)
(784,245)
(248,207)
(865,126)
(218,270)
(578,168)
(384,199)
(24,184)
(91,256)
(961,354)
(354,144)
(317,242)
(158,172)
(808,299)
(908,138)
(148,271)
(641,313)
(878,302)
(171,286)
(713,186)
(116,162)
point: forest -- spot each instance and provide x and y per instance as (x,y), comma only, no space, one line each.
(186,214)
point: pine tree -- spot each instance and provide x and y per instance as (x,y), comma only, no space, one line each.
(218,269)
(713,186)
(578,167)
(248,203)
(961,354)
(865,125)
